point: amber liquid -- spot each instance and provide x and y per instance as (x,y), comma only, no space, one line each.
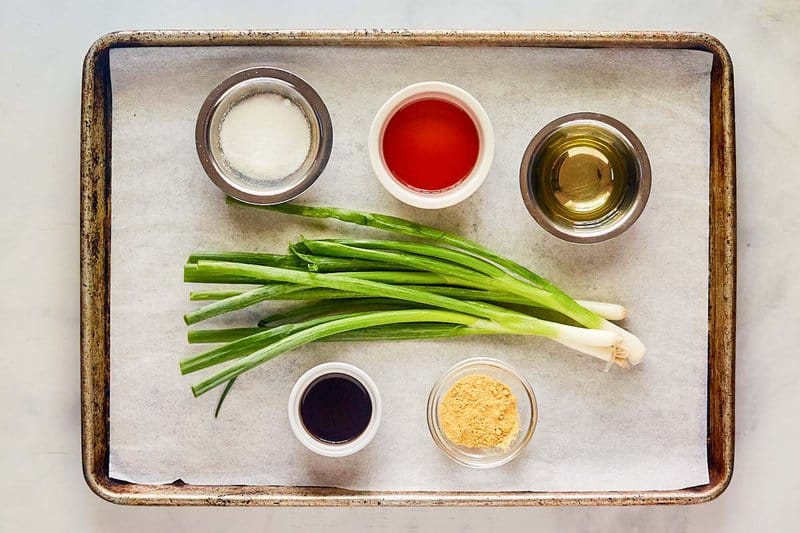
(336,408)
(582,174)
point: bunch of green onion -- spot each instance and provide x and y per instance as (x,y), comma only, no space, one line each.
(441,285)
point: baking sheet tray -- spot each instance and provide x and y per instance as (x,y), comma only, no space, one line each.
(308,495)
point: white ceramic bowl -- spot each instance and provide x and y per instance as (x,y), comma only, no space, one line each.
(325,448)
(463,189)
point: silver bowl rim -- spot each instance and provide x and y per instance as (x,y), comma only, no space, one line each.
(643,178)
(321,114)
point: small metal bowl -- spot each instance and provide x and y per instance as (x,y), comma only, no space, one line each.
(544,182)
(239,87)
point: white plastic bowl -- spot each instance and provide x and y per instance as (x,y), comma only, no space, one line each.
(324,448)
(463,189)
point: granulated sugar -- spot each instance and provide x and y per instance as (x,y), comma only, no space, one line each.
(265,137)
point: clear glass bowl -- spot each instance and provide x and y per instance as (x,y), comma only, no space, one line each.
(526,407)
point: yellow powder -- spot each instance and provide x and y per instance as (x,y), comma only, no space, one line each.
(479,412)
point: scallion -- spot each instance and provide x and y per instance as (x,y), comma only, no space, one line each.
(369,289)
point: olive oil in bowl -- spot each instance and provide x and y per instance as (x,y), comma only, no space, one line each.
(585,177)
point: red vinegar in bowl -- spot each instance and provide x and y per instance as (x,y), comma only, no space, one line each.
(430,144)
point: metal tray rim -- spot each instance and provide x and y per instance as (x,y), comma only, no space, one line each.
(95,234)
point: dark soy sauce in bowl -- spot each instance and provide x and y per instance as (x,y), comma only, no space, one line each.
(336,408)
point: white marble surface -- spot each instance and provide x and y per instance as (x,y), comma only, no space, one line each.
(42,48)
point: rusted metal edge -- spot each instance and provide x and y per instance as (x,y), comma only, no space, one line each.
(95,247)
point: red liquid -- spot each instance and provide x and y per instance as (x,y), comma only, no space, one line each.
(430,145)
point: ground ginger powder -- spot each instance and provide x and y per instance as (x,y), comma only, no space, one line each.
(479,412)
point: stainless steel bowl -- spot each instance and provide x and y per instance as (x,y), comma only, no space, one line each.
(239,87)
(629,200)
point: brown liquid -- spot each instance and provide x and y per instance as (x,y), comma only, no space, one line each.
(336,408)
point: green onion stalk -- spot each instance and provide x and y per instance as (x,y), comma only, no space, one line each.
(369,289)
(632,347)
